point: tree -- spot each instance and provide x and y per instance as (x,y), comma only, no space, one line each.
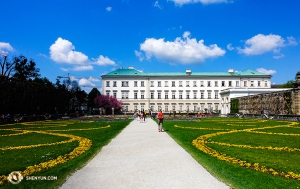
(108,102)
(288,84)
(91,96)
(6,67)
(24,69)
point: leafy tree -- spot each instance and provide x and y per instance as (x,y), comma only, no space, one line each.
(91,96)
(288,84)
(44,81)
(24,69)
(108,102)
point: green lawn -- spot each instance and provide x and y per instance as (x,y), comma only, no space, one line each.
(244,153)
(57,148)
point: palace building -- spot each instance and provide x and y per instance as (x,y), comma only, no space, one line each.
(179,91)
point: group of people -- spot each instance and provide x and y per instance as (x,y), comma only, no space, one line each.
(141,116)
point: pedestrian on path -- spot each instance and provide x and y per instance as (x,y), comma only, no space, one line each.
(160,117)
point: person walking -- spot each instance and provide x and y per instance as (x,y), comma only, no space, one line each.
(160,117)
(144,115)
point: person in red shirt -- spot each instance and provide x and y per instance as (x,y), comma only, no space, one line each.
(160,117)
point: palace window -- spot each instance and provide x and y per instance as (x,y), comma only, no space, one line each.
(152,95)
(107,83)
(142,95)
(124,83)
(187,83)
(173,83)
(194,83)
(201,83)
(180,83)
(208,83)
(173,95)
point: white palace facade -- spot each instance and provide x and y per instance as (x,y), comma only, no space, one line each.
(179,91)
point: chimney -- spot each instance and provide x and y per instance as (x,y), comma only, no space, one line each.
(230,70)
(188,71)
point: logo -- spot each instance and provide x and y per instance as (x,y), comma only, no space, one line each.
(15,177)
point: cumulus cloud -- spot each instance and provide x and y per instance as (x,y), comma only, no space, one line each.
(183,50)
(5,48)
(182,2)
(102,61)
(156,4)
(263,70)
(63,52)
(85,83)
(108,9)
(260,44)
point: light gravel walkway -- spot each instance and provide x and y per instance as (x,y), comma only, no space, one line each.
(140,157)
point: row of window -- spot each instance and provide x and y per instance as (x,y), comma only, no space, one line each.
(181,108)
(158,95)
(192,84)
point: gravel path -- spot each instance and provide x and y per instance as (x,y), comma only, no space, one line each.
(142,157)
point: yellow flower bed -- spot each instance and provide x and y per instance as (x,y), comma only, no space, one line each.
(83,145)
(202,141)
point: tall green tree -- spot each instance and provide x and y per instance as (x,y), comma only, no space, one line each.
(25,69)
(91,96)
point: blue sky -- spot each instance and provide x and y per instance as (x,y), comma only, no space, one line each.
(93,37)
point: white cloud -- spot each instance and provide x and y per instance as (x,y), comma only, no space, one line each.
(292,41)
(108,9)
(83,68)
(140,55)
(93,79)
(260,44)
(64,69)
(102,61)
(182,50)
(62,51)
(156,4)
(263,70)
(278,56)
(229,47)
(85,83)
(182,2)
(4,48)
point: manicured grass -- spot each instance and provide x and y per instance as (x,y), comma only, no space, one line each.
(55,138)
(249,140)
